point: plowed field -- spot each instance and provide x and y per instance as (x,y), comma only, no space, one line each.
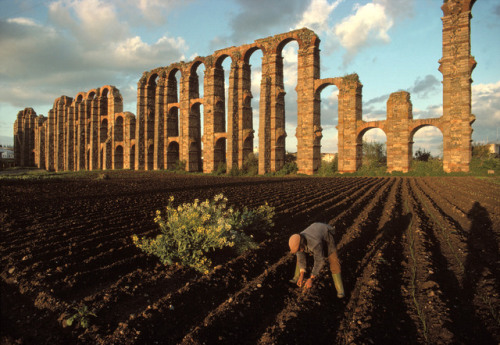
(420,263)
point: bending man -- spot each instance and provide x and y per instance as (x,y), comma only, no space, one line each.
(316,239)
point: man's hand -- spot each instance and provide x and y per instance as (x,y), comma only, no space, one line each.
(309,283)
(300,282)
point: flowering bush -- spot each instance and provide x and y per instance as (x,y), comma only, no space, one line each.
(192,230)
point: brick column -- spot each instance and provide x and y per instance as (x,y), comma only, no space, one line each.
(350,107)
(245,121)
(160,109)
(94,138)
(457,65)
(233,110)
(399,115)
(213,96)
(309,129)
(265,116)
(140,139)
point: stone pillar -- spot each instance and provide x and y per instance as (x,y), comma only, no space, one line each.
(309,131)
(245,121)
(69,129)
(140,138)
(265,116)
(457,65)
(81,140)
(350,112)
(190,145)
(61,114)
(160,110)
(278,133)
(172,118)
(233,108)
(40,126)
(94,136)
(214,96)
(399,147)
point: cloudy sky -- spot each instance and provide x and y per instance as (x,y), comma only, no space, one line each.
(62,47)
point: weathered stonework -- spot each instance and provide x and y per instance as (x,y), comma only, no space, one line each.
(92,131)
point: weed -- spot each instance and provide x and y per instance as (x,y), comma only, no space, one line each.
(81,316)
(193,230)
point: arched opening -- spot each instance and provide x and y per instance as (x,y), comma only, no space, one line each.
(195,133)
(173,155)
(118,157)
(251,105)
(132,128)
(224,107)
(426,148)
(150,165)
(219,153)
(119,129)
(104,102)
(326,101)
(101,159)
(287,100)
(151,106)
(373,144)
(132,157)
(103,131)
(173,122)
(195,160)
(87,160)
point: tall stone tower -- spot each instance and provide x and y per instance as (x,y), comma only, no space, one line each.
(457,65)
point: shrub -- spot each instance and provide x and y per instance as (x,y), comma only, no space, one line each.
(422,155)
(192,231)
(328,168)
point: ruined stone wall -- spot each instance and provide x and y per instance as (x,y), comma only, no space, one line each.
(92,131)
(85,133)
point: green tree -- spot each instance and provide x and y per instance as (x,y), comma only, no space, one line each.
(374,154)
(422,155)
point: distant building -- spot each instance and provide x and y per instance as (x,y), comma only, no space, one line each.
(494,148)
(328,157)
(6,153)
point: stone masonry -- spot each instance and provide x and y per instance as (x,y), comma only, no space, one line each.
(92,132)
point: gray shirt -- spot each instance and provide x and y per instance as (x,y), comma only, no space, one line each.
(318,237)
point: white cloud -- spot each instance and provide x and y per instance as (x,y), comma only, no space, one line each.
(87,44)
(486,108)
(368,25)
(22,21)
(317,14)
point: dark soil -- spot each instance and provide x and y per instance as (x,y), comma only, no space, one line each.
(420,263)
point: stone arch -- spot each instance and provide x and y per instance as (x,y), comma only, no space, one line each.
(220,152)
(173,155)
(118,157)
(173,122)
(195,162)
(251,97)
(362,130)
(118,128)
(132,157)
(287,119)
(328,128)
(103,130)
(197,87)
(173,85)
(196,151)
(224,93)
(419,127)
(150,157)
(103,104)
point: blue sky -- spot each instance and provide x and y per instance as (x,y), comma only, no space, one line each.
(62,47)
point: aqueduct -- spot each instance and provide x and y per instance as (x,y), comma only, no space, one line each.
(91,131)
